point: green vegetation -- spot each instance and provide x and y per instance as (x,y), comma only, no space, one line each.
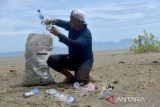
(145,43)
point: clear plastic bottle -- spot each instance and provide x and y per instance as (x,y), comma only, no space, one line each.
(108,93)
(41,17)
(76,85)
(31,93)
(101,94)
(84,92)
(61,97)
(105,93)
(51,91)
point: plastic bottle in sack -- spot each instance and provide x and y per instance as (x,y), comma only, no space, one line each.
(60,96)
(31,93)
(41,17)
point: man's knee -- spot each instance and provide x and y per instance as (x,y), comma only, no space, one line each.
(50,60)
(56,62)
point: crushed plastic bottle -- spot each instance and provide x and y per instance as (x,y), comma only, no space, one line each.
(76,85)
(66,98)
(84,92)
(91,86)
(101,94)
(61,97)
(41,17)
(51,91)
(31,93)
(105,91)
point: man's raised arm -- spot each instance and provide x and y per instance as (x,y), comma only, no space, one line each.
(58,22)
(61,23)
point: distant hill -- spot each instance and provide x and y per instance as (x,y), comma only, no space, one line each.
(97,46)
(123,44)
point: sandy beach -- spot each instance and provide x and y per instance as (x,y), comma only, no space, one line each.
(133,75)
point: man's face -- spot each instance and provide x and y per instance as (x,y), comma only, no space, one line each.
(76,24)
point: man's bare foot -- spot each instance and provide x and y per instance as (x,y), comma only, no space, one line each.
(69,76)
(69,80)
(91,79)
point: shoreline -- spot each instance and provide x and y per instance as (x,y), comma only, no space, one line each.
(22,53)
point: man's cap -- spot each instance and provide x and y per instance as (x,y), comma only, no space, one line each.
(78,14)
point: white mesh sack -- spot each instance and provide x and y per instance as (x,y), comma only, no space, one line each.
(38,49)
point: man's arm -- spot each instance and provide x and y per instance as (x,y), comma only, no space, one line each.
(61,23)
(82,41)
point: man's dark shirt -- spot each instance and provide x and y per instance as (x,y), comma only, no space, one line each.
(79,42)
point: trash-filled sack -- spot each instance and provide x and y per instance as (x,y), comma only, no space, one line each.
(38,49)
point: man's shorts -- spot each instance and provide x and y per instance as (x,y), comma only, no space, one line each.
(63,61)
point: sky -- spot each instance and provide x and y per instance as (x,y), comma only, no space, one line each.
(108,20)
